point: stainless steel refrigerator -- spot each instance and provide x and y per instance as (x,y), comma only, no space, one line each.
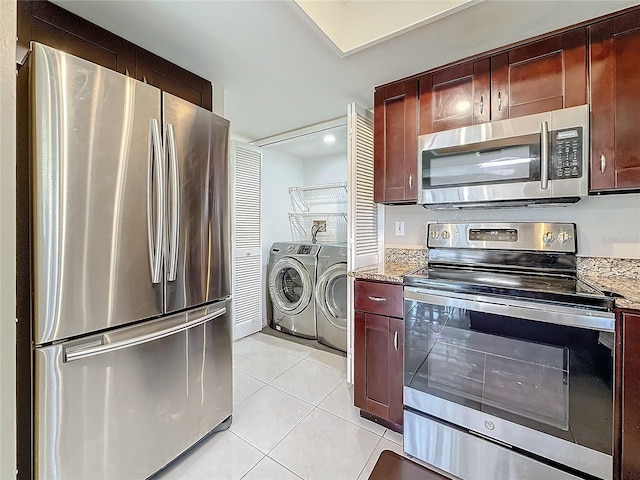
(131,271)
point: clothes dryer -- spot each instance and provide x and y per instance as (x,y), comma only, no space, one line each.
(331,296)
(291,277)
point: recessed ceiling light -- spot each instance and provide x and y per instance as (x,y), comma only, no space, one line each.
(329,138)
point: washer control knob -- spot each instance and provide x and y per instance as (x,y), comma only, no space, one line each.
(564,236)
(548,237)
(446,234)
(434,234)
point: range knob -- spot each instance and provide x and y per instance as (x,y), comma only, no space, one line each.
(446,235)
(434,234)
(548,237)
(563,236)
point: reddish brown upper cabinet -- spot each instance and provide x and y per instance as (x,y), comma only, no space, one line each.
(51,25)
(395,149)
(378,341)
(615,103)
(545,75)
(56,27)
(628,396)
(455,97)
(173,79)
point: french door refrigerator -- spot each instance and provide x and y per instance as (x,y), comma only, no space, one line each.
(131,273)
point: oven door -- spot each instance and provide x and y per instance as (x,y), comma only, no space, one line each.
(533,376)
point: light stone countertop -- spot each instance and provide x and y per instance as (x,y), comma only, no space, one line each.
(390,272)
(627,287)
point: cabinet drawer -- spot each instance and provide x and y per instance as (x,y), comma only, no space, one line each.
(380,298)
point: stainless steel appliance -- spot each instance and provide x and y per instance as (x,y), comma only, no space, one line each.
(508,368)
(331,296)
(529,160)
(291,279)
(131,310)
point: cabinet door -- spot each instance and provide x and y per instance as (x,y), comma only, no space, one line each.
(396,143)
(455,97)
(51,25)
(549,74)
(615,103)
(630,397)
(378,365)
(396,369)
(171,78)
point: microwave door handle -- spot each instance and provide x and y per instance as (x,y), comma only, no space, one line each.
(544,155)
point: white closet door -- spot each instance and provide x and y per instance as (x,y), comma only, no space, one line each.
(364,219)
(247,254)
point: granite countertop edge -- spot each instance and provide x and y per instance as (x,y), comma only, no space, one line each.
(625,290)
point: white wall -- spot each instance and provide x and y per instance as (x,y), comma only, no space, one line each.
(329,169)
(608,226)
(279,172)
(7,238)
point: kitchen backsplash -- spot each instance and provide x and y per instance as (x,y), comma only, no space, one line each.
(609,267)
(406,255)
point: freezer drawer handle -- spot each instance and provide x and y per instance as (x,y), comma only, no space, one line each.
(79,352)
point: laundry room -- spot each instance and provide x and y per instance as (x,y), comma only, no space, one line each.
(304,231)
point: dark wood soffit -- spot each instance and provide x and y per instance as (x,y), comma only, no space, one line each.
(522,43)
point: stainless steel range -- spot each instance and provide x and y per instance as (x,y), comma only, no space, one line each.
(508,368)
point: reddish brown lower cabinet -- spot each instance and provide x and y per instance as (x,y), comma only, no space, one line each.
(628,396)
(379,340)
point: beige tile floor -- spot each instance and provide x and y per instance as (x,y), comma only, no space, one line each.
(293,419)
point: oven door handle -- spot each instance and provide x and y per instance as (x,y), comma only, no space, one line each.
(539,312)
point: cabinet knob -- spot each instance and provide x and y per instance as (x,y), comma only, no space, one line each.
(603,163)
(395,340)
(410,181)
(481,104)
(499,101)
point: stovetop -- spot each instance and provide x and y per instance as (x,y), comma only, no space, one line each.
(558,289)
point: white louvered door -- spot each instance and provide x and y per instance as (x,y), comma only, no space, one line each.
(247,254)
(364,219)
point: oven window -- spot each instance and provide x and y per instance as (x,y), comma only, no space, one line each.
(551,378)
(506,164)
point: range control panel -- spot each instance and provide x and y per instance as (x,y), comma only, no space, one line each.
(566,153)
(538,236)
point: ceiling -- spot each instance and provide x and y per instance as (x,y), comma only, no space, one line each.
(280,73)
(310,146)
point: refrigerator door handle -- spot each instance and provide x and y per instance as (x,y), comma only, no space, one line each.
(155,172)
(175,203)
(98,347)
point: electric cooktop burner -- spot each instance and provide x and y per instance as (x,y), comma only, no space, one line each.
(529,261)
(547,288)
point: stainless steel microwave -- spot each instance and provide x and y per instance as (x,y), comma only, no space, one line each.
(537,159)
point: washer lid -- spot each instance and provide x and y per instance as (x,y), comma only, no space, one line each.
(290,286)
(331,295)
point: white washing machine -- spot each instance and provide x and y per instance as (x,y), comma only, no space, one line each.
(291,277)
(331,296)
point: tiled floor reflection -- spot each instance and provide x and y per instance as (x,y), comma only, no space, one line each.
(293,419)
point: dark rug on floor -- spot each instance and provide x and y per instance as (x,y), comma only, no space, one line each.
(391,466)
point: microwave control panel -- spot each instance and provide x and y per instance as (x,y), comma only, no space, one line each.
(566,153)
